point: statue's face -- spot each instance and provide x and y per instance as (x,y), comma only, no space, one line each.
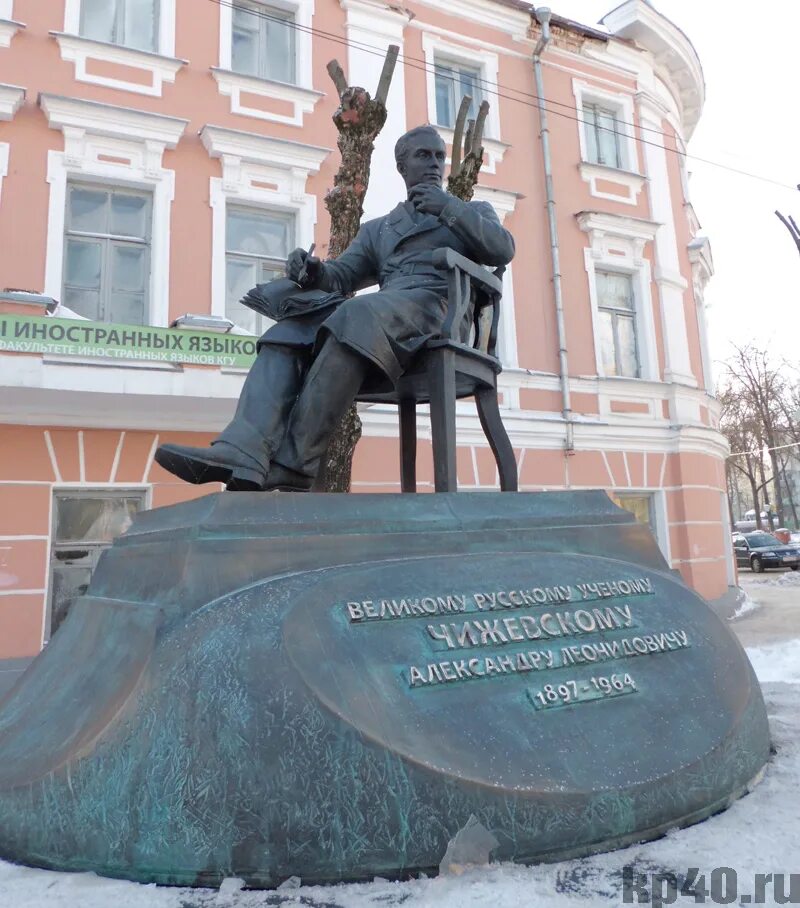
(424,162)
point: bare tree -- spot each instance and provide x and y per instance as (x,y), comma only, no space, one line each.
(359,119)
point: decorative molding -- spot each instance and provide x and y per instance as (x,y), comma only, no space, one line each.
(234,85)
(515,22)
(260,149)
(673,54)
(8,28)
(115,146)
(108,120)
(260,172)
(299,93)
(436,48)
(622,102)
(617,244)
(11,99)
(78,50)
(504,201)
(629,183)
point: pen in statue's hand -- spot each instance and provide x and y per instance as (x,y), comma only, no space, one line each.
(303,267)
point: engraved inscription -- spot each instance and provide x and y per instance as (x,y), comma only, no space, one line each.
(579,691)
(539,615)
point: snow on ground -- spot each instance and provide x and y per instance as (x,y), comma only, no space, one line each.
(746,604)
(790,578)
(759,834)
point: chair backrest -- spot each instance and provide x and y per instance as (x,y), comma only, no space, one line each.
(486,316)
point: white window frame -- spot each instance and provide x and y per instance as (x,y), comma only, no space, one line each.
(116,147)
(617,245)
(4,153)
(258,172)
(161,65)
(616,314)
(629,177)
(301,95)
(439,50)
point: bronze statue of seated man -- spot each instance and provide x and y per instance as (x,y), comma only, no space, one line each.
(311,365)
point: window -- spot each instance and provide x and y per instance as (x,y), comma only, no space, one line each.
(107,254)
(617,324)
(263,42)
(603,136)
(641,506)
(85,523)
(130,23)
(453,82)
(257,244)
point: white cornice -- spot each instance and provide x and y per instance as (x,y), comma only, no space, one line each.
(11,98)
(673,53)
(109,120)
(504,201)
(377,17)
(8,28)
(514,22)
(77,49)
(234,85)
(260,149)
(617,225)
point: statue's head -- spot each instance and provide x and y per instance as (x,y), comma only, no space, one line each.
(420,156)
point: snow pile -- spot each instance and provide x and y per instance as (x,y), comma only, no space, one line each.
(757,835)
(744,605)
(790,578)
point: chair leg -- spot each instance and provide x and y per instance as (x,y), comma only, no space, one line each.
(489,415)
(442,386)
(408,444)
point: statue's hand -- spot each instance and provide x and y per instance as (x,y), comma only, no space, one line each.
(303,269)
(428,199)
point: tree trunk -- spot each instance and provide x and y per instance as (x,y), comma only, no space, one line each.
(358,119)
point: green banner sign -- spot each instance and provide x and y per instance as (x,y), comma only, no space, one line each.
(70,337)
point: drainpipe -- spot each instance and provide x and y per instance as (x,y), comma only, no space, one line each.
(542,16)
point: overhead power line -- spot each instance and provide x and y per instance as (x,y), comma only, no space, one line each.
(423,66)
(794,444)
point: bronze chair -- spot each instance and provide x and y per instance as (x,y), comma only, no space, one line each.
(448,369)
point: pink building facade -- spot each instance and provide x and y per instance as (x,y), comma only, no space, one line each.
(158,157)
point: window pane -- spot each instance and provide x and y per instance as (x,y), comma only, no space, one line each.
(125,308)
(83,264)
(127,268)
(614,290)
(140,24)
(240,276)
(606,339)
(98,18)
(445,115)
(626,339)
(280,63)
(589,133)
(244,47)
(88,210)
(84,302)
(129,215)
(259,233)
(86,519)
(607,138)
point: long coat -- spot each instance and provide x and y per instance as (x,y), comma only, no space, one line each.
(389,326)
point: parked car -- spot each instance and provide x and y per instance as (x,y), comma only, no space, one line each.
(760,551)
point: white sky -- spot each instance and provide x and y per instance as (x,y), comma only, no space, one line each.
(750,121)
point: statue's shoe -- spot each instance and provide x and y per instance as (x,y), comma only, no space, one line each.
(282,479)
(219,463)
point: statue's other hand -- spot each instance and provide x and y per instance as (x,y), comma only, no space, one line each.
(428,198)
(302,268)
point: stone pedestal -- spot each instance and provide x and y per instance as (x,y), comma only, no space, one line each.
(328,686)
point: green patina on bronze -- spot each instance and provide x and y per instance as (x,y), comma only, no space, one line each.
(214,708)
